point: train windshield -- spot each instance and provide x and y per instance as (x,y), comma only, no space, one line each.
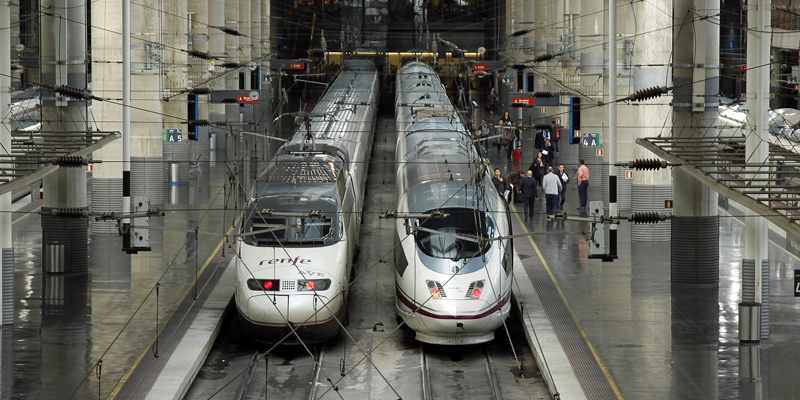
(457,237)
(292,229)
(297,220)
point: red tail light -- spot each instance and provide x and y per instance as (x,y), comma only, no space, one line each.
(476,293)
(268,285)
(310,285)
(434,292)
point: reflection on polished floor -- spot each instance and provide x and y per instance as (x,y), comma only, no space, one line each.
(66,323)
(656,339)
(659,340)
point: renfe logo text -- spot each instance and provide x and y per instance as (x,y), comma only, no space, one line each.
(294,261)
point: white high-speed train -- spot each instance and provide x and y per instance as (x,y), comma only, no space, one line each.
(301,223)
(452,274)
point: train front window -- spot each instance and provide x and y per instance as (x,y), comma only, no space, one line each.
(457,237)
(292,230)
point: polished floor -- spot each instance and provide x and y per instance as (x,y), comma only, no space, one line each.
(661,340)
(655,339)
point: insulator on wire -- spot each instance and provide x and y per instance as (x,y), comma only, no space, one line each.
(229,100)
(69,213)
(541,126)
(197,122)
(649,93)
(544,57)
(74,93)
(518,66)
(646,217)
(200,90)
(521,32)
(647,164)
(229,64)
(543,94)
(69,161)
(199,54)
(230,31)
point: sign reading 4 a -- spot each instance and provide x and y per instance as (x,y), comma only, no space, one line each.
(591,140)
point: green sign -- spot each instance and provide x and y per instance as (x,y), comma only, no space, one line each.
(174,135)
(591,140)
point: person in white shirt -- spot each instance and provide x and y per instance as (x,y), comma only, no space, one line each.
(551,185)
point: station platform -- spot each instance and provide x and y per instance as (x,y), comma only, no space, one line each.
(628,332)
(607,330)
(110,332)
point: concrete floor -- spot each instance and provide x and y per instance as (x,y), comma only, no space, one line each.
(656,340)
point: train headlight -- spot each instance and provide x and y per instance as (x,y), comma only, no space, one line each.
(313,285)
(475,290)
(437,291)
(264,284)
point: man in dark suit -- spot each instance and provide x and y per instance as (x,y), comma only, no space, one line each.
(530,193)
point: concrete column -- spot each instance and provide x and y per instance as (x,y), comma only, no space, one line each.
(173,80)
(647,118)
(63,61)
(232,52)
(517,25)
(256,44)
(107,83)
(695,237)
(528,21)
(540,38)
(757,145)
(591,26)
(216,48)
(6,264)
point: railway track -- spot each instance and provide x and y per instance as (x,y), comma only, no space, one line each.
(458,373)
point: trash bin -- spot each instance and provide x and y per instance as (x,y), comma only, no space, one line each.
(54,257)
(749,322)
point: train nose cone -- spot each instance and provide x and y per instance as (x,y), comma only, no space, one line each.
(459,316)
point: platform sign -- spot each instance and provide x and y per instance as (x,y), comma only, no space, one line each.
(297,66)
(246,99)
(793,246)
(174,135)
(629,174)
(480,67)
(591,140)
(598,152)
(528,101)
(797,283)
(667,203)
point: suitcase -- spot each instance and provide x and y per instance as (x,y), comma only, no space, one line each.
(517,155)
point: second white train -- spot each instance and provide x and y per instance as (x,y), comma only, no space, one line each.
(452,275)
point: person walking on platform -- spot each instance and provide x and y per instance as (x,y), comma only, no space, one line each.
(537,166)
(562,174)
(500,184)
(513,178)
(551,186)
(530,193)
(549,153)
(583,184)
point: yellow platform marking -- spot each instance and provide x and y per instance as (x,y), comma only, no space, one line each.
(27,214)
(153,339)
(571,311)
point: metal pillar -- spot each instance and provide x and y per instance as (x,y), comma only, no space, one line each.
(612,123)
(126,120)
(757,142)
(7,263)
